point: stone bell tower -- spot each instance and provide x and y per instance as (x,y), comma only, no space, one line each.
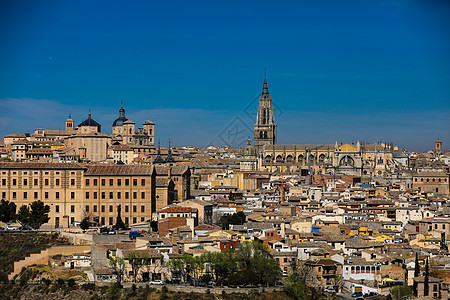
(265,128)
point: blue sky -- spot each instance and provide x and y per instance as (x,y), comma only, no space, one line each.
(337,70)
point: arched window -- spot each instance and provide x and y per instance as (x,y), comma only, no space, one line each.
(279,158)
(265,134)
(261,134)
(321,158)
(347,161)
(301,159)
(268,159)
(289,158)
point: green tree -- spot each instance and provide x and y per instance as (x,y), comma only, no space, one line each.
(7,211)
(118,265)
(23,216)
(416,273)
(84,224)
(177,268)
(137,260)
(235,219)
(426,287)
(35,215)
(399,292)
(295,287)
(119,223)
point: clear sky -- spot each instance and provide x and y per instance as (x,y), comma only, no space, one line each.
(337,70)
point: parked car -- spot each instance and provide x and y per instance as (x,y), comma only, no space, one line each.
(370,294)
(156,282)
(12,228)
(329,290)
(357,294)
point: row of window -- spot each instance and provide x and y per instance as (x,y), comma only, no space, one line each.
(102,220)
(111,195)
(111,182)
(37,173)
(111,208)
(72,195)
(35,182)
(103,208)
(432,180)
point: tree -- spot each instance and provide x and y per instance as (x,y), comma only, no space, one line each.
(84,224)
(401,292)
(416,273)
(426,287)
(119,223)
(235,219)
(23,216)
(177,268)
(7,211)
(137,260)
(35,215)
(295,287)
(118,265)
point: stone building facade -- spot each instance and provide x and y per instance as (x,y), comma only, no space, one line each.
(74,191)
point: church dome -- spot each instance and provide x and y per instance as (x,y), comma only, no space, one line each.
(121,119)
(90,122)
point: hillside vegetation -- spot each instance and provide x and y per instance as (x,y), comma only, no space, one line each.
(16,246)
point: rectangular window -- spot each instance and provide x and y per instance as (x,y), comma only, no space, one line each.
(103,208)
(57,195)
(103,182)
(72,182)
(118,195)
(14,195)
(46,182)
(72,195)
(134,208)
(111,182)
(126,208)
(143,182)
(14,182)
(110,221)
(3,181)
(87,182)
(110,208)
(3,195)
(25,182)
(57,182)
(87,208)
(36,195)
(57,208)
(87,195)
(142,195)
(142,208)
(103,221)
(119,182)
(72,208)
(126,220)
(127,182)
(46,195)
(72,220)
(103,195)
(127,195)
(111,195)
(95,208)
(95,182)
(142,219)
(134,182)
(134,195)
(134,219)
(36,182)
(95,195)
(25,195)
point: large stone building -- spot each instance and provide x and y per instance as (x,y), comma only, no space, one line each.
(124,129)
(74,191)
(362,159)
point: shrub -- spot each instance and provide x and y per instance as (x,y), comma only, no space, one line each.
(60,281)
(71,283)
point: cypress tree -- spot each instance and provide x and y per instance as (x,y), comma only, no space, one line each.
(426,288)
(416,273)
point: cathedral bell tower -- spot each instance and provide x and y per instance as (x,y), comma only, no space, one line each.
(265,128)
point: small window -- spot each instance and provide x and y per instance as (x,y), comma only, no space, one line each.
(25,195)
(142,195)
(72,182)
(87,182)
(134,208)
(103,182)
(72,208)
(36,195)
(142,208)
(57,182)
(46,182)
(57,195)
(87,195)
(46,195)
(72,195)
(110,208)
(119,182)
(127,182)
(126,208)
(111,182)
(143,182)
(95,208)
(103,208)
(87,208)
(57,208)
(111,195)
(134,182)
(95,182)
(14,195)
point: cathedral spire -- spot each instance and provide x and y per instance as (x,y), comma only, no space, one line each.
(121,111)
(265,88)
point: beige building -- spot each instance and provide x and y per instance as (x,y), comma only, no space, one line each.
(432,182)
(74,191)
